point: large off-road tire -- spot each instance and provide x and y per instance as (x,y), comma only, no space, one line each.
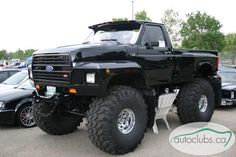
(195,102)
(54,123)
(117,122)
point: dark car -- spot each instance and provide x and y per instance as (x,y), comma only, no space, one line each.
(16,105)
(6,73)
(15,80)
(228,75)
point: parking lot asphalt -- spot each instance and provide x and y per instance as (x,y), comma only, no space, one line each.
(19,142)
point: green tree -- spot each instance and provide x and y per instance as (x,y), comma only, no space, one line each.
(119,19)
(21,54)
(202,31)
(29,52)
(18,54)
(230,47)
(172,23)
(3,54)
(142,15)
(8,56)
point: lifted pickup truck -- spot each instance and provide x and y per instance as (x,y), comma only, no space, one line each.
(114,79)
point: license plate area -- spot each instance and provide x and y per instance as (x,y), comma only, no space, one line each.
(50,90)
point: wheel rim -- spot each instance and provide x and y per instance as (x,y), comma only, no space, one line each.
(126,121)
(26,117)
(203,103)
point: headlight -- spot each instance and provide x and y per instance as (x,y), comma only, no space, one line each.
(2,105)
(90,77)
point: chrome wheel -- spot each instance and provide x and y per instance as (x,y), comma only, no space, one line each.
(203,103)
(126,121)
(26,117)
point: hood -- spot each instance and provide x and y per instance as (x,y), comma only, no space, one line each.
(86,52)
(229,86)
(12,94)
(67,48)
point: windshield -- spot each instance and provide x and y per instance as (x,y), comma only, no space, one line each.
(16,78)
(120,37)
(228,76)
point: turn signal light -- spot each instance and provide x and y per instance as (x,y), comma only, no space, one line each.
(37,86)
(72,91)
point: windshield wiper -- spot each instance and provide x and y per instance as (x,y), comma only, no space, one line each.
(111,40)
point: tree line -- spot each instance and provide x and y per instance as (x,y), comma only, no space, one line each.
(198,31)
(21,54)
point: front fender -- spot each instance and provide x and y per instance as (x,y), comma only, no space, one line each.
(22,102)
(105,73)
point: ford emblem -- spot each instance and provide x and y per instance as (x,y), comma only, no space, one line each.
(49,68)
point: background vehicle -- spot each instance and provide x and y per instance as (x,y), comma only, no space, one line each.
(6,73)
(228,75)
(115,78)
(15,80)
(22,65)
(16,105)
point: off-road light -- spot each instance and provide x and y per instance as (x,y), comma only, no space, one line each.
(108,71)
(90,77)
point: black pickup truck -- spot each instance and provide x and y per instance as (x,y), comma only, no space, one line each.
(114,79)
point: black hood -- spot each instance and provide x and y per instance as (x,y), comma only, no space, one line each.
(84,52)
(12,94)
(229,86)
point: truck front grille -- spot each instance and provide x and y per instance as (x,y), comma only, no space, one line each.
(60,69)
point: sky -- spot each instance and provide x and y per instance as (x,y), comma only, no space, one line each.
(41,24)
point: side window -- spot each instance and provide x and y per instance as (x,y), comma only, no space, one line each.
(153,34)
(3,76)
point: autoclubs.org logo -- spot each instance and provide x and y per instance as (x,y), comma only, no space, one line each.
(202,138)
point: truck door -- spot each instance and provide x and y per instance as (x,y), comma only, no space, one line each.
(155,56)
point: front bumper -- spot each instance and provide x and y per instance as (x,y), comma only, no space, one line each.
(82,90)
(7,116)
(228,102)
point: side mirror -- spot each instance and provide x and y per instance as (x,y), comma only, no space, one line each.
(30,74)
